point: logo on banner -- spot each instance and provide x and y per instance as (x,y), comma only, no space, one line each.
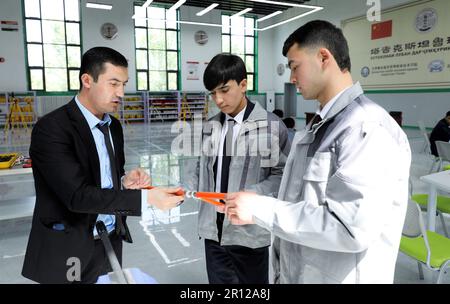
(426,20)
(436,66)
(365,71)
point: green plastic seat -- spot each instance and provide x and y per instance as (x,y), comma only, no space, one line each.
(415,248)
(447,167)
(428,248)
(443,202)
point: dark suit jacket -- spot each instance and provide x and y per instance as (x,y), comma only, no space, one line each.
(66,174)
(440,132)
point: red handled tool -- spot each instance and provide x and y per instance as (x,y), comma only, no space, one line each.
(208,197)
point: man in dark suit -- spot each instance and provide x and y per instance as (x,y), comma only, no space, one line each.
(78,168)
(441,132)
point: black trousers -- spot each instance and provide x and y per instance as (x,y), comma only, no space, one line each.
(236,264)
(99,263)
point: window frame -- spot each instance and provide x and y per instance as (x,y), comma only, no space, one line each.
(166,51)
(255,48)
(42,44)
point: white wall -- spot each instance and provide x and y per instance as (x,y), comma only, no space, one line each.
(192,51)
(266,63)
(429,107)
(120,15)
(12,71)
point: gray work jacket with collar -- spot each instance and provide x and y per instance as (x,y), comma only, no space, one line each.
(262,148)
(342,200)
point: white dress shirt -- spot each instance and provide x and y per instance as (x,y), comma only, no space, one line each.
(237,126)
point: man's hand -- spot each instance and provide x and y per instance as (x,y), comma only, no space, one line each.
(136,179)
(220,209)
(164,198)
(239,207)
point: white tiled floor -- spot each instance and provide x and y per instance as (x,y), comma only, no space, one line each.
(166,245)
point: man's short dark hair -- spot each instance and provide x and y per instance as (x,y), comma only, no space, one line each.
(223,68)
(289,122)
(448,114)
(320,33)
(278,113)
(93,60)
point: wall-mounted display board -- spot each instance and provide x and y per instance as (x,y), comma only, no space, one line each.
(409,48)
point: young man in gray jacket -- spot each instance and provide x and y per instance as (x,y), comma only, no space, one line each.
(245,149)
(342,200)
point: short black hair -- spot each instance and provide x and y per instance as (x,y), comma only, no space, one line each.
(289,122)
(448,114)
(93,60)
(223,68)
(278,113)
(320,33)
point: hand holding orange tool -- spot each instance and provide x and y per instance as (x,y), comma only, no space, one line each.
(208,197)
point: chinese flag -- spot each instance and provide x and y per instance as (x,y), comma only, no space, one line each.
(382,30)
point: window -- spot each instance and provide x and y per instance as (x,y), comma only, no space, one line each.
(238,37)
(52,37)
(157,53)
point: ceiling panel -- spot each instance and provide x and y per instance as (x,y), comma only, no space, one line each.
(238,5)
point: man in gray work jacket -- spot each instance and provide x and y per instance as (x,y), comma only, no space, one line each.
(245,148)
(343,197)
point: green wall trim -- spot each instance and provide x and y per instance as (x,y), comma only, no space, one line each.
(42,93)
(255,59)
(279,94)
(416,128)
(24,33)
(410,127)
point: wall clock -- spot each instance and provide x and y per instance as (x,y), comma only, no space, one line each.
(201,37)
(280,69)
(108,31)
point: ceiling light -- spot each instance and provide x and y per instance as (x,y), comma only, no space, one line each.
(147,3)
(312,8)
(99,5)
(177,5)
(286,3)
(211,7)
(291,19)
(241,13)
(269,16)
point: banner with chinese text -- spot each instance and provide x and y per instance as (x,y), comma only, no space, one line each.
(408,49)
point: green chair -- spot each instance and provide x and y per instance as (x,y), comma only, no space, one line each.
(443,150)
(443,206)
(427,148)
(427,247)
